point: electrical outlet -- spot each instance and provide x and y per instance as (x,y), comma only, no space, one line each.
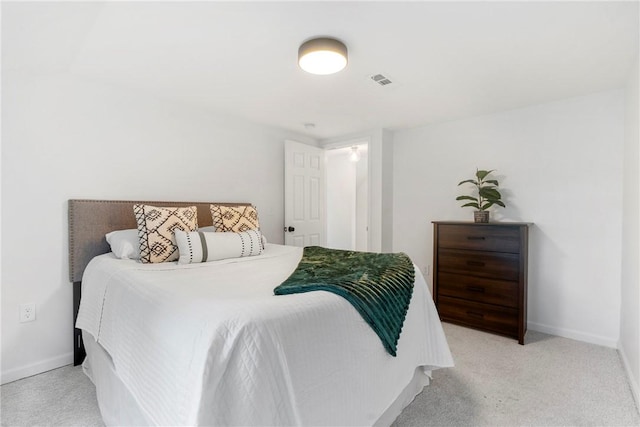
(427,270)
(27,312)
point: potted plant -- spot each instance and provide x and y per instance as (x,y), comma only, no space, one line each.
(485,195)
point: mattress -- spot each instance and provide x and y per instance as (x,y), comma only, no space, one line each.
(209,344)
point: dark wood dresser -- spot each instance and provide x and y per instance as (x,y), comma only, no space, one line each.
(480,275)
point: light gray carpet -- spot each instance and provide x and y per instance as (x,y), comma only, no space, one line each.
(550,381)
(62,397)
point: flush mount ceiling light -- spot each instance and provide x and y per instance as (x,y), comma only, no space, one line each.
(322,56)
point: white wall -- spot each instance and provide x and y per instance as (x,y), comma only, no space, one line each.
(341,199)
(63,138)
(387,206)
(362,200)
(629,314)
(560,167)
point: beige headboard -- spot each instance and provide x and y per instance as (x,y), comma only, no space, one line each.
(90,220)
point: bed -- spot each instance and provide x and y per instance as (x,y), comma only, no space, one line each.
(210,344)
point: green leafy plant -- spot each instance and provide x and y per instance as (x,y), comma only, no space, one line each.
(487,192)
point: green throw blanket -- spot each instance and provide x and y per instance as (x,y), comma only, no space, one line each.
(379,286)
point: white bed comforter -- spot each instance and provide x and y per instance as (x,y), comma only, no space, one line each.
(209,344)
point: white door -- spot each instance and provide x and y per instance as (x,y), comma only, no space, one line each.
(303,195)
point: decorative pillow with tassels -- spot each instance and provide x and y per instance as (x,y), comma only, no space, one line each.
(157,227)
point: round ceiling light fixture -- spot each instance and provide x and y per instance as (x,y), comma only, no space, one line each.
(322,56)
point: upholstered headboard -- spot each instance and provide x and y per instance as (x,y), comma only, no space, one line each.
(89,221)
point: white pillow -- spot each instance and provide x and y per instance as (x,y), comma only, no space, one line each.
(213,228)
(202,246)
(125,244)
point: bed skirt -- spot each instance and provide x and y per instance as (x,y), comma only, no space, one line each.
(119,408)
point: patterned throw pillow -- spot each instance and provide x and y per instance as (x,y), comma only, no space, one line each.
(234,218)
(156,227)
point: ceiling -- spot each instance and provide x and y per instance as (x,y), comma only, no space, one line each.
(447,60)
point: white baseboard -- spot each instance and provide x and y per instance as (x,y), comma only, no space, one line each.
(36,368)
(635,389)
(573,334)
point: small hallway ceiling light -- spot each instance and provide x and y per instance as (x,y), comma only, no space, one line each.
(322,56)
(355,154)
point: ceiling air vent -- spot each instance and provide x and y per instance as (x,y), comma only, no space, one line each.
(381,79)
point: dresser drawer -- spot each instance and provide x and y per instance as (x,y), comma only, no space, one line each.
(498,292)
(480,237)
(483,316)
(493,265)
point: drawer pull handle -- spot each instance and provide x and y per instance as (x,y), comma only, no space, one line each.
(474,314)
(475,237)
(476,263)
(475,289)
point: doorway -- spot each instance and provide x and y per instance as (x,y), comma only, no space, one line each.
(347,202)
